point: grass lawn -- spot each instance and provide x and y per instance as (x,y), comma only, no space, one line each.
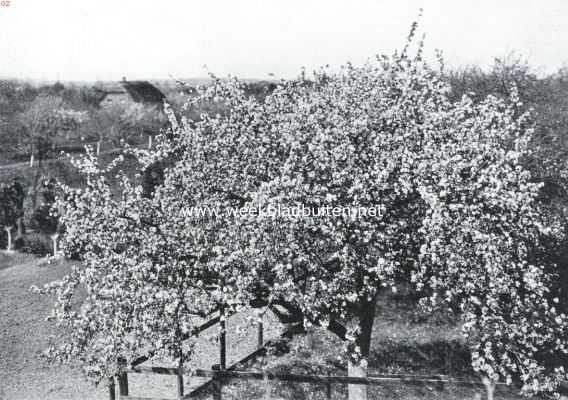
(24,333)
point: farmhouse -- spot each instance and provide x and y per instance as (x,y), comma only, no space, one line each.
(125,93)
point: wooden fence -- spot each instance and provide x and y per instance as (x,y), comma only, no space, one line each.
(222,373)
(179,371)
(219,378)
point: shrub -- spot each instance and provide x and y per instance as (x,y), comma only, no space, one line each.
(11,202)
(43,216)
(19,242)
(4,240)
(34,245)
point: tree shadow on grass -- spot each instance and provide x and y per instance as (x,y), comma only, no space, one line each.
(439,357)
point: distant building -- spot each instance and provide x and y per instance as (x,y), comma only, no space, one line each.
(125,92)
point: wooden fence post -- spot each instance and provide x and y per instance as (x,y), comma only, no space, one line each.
(123,384)
(489,386)
(328,390)
(260,332)
(222,340)
(111,392)
(267,387)
(218,389)
(180,378)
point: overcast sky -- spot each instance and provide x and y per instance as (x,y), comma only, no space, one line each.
(109,39)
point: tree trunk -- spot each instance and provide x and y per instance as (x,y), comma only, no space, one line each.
(357,392)
(8,230)
(489,386)
(20,225)
(54,239)
(36,183)
(123,384)
(359,368)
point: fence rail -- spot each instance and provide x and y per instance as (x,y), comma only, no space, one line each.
(348,380)
(306,378)
(217,378)
(136,368)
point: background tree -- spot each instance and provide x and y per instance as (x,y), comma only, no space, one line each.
(45,118)
(11,204)
(547,98)
(103,125)
(141,121)
(15,97)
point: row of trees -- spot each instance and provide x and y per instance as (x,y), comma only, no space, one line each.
(39,119)
(547,99)
(44,120)
(41,122)
(463,221)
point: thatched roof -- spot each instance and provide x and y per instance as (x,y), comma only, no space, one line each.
(138,91)
(143,92)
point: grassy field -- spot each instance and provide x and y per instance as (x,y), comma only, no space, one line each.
(404,342)
(24,333)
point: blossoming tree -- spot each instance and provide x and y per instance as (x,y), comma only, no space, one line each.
(459,218)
